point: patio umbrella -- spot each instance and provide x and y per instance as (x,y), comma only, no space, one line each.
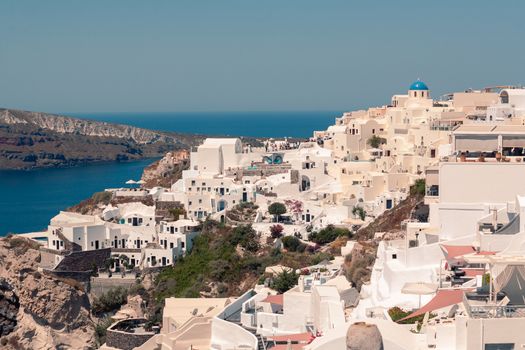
(131,182)
(419,288)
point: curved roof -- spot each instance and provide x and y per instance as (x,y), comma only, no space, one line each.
(418,85)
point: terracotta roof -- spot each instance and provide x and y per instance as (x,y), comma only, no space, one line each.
(274,299)
(443,298)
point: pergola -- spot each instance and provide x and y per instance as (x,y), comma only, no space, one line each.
(498,264)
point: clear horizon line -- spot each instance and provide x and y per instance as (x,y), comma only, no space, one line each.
(210,111)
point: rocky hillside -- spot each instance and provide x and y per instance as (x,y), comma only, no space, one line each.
(69,125)
(31,139)
(166,171)
(38,311)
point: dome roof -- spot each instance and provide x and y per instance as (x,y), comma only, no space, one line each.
(418,85)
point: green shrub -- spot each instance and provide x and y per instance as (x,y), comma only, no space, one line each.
(110,301)
(292,243)
(21,245)
(101,197)
(396,313)
(328,234)
(246,237)
(101,330)
(177,213)
(375,141)
(418,188)
(285,281)
(321,256)
(360,212)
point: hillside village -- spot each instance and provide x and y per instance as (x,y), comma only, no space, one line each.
(397,225)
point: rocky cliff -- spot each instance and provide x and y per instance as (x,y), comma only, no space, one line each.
(166,171)
(69,125)
(38,311)
(32,139)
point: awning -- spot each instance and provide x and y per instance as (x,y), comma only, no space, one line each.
(442,299)
(514,141)
(455,251)
(306,337)
(476,143)
(274,299)
(511,280)
(288,347)
(473,272)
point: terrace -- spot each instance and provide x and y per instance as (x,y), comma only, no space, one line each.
(479,305)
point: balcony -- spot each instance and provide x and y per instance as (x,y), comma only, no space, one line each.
(479,305)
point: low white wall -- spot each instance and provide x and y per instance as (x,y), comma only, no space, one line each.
(267,323)
(226,335)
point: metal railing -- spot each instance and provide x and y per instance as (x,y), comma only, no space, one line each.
(494,310)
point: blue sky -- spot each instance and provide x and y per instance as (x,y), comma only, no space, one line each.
(117,56)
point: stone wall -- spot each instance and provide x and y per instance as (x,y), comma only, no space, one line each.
(47,258)
(125,340)
(259,169)
(100,285)
(80,276)
(162,208)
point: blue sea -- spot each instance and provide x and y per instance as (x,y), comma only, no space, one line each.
(29,199)
(256,124)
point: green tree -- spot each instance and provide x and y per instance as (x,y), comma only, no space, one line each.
(285,281)
(277,209)
(418,188)
(360,212)
(375,141)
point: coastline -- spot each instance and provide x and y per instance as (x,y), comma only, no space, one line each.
(32,196)
(78,164)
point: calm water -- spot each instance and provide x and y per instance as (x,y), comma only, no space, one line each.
(258,124)
(29,199)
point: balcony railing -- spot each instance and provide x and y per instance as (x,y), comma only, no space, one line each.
(493,310)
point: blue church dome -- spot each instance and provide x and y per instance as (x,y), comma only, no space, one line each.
(418,85)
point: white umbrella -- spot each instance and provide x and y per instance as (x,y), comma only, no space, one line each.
(140,182)
(419,288)
(131,182)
